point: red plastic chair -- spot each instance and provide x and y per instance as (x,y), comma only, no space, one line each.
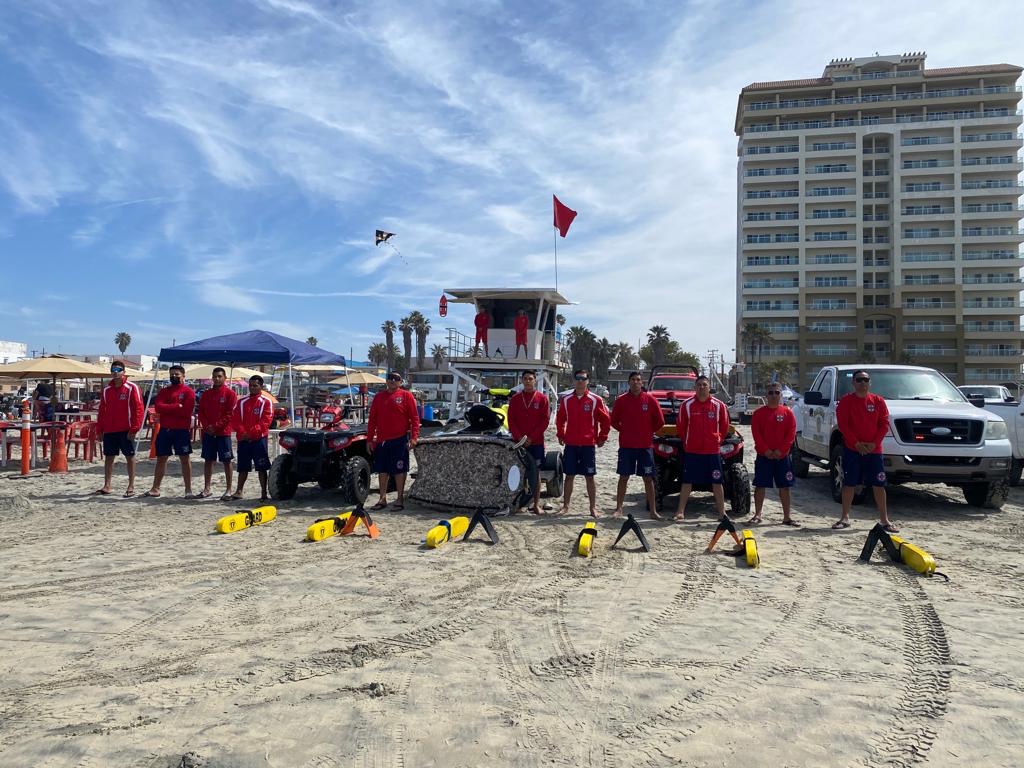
(82,435)
(147,423)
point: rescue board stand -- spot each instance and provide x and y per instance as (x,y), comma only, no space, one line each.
(584,546)
(725,524)
(899,551)
(353,520)
(632,525)
(485,522)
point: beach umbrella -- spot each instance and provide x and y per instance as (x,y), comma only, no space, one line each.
(52,367)
(358,377)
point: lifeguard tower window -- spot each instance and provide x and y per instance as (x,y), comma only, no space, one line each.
(504,311)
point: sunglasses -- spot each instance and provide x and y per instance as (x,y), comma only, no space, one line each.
(581,378)
(861,380)
(117,370)
(773,394)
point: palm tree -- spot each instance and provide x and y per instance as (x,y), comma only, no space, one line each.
(581,341)
(604,354)
(560,319)
(421,326)
(389,328)
(440,353)
(625,357)
(658,338)
(312,341)
(405,325)
(123,340)
(377,353)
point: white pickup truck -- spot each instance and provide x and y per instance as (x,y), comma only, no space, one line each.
(1012,412)
(935,435)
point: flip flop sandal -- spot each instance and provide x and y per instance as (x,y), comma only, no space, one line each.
(841,524)
(204,494)
(128,494)
(101,492)
(379,506)
(235,497)
(151,495)
(791,523)
(396,507)
(890,528)
(226,497)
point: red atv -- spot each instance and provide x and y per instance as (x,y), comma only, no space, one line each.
(334,456)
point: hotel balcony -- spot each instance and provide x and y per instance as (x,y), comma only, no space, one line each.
(974,307)
(991,187)
(926,144)
(994,355)
(927,212)
(925,167)
(1009,117)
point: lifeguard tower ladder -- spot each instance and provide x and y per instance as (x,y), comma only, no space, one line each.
(545,353)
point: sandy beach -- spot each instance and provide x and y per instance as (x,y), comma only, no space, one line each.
(132,635)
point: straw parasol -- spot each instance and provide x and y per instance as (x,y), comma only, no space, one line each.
(358,377)
(52,367)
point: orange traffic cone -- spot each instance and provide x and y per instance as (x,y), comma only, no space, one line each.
(59,455)
(152,440)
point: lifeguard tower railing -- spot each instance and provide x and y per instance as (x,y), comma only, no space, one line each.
(554,351)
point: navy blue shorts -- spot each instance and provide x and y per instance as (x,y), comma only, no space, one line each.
(217,448)
(773,473)
(118,442)
(580,460)
(392,456)
(253,452)
(702,468)
(636,461)
(537,451)
(862,470)
(177,440)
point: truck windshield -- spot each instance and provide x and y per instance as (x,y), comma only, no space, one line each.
(903,384)
(676,383)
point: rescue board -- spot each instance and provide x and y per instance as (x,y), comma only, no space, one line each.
(915,557)
(246,519)
(585,541)
(446,530)
(327,527)
(750,549)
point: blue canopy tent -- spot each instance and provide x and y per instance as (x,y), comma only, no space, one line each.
(253,348)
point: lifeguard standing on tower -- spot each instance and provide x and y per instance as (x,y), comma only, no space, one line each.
(482,321)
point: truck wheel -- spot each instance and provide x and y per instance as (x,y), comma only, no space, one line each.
(553,463)
(991,495)
(355,480)
(801,467)
(739,490)
(835,473)
(1016,468)
(281,482)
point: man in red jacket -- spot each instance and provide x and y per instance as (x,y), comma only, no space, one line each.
(250,421)
(522,325)
(637,416)
(702,422)
(175,406)
(392,429)
(583,425)
(215,408)
(529,414)
(863,420)
(482,321)
(118,421)
(774,428)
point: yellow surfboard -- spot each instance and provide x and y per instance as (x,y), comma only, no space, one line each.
(242,520)
(447,530)
(750,549)
(915,557)
(585,542)
(324,529)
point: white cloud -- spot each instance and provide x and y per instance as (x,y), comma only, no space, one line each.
(223,296)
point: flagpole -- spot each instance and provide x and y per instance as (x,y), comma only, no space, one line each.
(554,234)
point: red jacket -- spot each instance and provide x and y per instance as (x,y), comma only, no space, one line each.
(774,429)
(215,408)
(175,406)
(482,321)
(637,418)
(120,409)
(582,420)
(521,324)
(862,420)
(392,414)
(529,416)
(702,425)
(251,417)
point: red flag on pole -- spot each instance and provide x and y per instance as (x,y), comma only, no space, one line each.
(563,216)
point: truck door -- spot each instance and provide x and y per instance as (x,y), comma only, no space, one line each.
(817,427)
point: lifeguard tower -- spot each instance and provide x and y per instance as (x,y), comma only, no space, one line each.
(544,350)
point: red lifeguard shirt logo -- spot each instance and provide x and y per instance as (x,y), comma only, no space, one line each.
(870,407)
(780,417)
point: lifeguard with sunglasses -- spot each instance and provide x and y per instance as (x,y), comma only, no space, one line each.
(583,425)
(863,420)
(774,428)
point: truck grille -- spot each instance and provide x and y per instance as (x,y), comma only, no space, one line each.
(941,431)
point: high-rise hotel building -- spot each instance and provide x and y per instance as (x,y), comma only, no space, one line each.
(880,218)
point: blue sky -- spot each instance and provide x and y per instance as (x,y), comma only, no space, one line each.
(188,168)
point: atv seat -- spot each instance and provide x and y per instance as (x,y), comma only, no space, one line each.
(482,419)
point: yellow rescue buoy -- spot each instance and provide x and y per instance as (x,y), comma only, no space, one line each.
(915,557)
(246,519)
(585,541)
(750,549)
(446,530)
(327,527)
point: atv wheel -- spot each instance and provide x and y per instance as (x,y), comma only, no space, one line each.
(738,484)
(991,495)
(835,470)
(355,480)
(553,462)
(281,482)
(662,479)
(801,467)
